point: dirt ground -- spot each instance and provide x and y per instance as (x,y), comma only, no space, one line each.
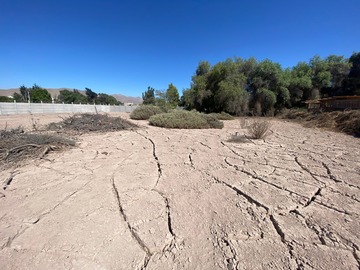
(185,199)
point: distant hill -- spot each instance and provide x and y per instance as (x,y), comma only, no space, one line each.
(126,99)
(54,92)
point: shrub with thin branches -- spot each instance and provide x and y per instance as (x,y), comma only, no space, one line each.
(259,129)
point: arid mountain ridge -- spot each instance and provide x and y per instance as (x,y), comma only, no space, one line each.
(54,92)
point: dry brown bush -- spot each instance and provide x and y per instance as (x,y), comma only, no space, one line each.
(92,123)
(259,129)
(343,121)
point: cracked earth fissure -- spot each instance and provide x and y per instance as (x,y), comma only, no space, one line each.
(154,155)
(312,199)
(243,194)
(302,166)
(328,171)
(275,224)
(254,176)
(191,160)
(134,234)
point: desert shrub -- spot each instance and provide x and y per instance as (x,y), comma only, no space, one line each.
(259,129)
(222,116)
(186,120)
(144,112)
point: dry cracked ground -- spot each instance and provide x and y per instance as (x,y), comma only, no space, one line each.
(187,199)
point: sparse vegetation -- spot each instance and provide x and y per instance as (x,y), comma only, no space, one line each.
(186,120)
(222,116)
(347,122)
(259,129)
(144,112)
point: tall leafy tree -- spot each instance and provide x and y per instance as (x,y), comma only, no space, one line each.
(74,96)
(321,76)
(39,94)
(353,81)
(172,95)
(106,99)
(18,98)
(149,96)
(25,93)
(339,68)
(300,86)
(91,95)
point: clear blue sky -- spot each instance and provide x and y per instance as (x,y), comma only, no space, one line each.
(125,46)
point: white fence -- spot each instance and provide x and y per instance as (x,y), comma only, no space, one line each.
(26,108)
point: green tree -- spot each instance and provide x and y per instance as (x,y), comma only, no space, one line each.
(25,93)
(18,98)
(321,76)
(352,85)
(172,96)
(106,99)
(265,101)
(74,96)
(91,95)
(232,97)
(149,96)
(38,94)
(300,86)
(339,68)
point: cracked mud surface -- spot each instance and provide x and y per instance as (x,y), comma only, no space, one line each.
(186,199)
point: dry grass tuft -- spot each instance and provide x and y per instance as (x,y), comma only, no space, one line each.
(259,129)
(343,121)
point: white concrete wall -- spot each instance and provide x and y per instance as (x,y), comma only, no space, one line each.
(26,108)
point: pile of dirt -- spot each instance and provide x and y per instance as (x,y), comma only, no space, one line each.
(343,121)
(83,123)
(16,146)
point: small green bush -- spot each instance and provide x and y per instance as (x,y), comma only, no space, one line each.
(185,120)
(223,116)
(144,112)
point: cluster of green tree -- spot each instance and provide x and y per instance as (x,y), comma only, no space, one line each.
(166,99)
(34,94)
(239,86)
(37,94)
(90,96)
